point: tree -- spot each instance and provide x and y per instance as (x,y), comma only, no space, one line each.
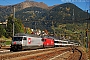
(2,31)
(9,28)
(28,30)
(17,26)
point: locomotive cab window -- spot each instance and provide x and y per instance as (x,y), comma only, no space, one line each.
(17,38)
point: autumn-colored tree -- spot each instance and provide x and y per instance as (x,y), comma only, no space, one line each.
(28,30)
(46,31)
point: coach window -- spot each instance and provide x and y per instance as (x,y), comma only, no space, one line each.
(24,38)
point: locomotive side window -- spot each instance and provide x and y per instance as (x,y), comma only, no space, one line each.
(56,42)
(64,42)
(24,38)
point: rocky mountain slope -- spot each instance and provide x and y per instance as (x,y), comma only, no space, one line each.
(39,15)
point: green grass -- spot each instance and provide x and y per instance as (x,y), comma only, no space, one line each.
(8,42)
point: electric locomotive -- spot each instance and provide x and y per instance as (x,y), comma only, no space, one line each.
(24,41)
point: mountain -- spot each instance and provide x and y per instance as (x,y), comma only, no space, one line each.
(39,15)
(5,11)
(67,11)
(31,13)
(27,4)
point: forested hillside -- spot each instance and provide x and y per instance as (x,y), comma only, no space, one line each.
(39,16)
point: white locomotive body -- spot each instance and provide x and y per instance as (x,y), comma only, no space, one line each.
(24,41)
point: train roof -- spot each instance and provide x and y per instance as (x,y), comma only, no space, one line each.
(23,34)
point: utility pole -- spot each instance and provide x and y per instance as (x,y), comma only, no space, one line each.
(53,29)
(73,16)
(13,18)
(35,25)
(14,12)
(87,33)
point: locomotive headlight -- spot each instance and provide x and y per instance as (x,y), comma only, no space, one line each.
(47,43)
(14,43)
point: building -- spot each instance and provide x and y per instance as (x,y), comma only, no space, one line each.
(4,24)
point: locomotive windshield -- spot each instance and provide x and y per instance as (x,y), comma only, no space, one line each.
(17,38)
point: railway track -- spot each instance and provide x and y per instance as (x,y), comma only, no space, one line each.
(59,53)
(5,50)
(44,54)
(78,54)
(2,51)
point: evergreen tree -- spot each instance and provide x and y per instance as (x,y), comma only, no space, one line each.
(2,31)
(9,28)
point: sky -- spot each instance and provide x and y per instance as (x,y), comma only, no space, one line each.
(83,4)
